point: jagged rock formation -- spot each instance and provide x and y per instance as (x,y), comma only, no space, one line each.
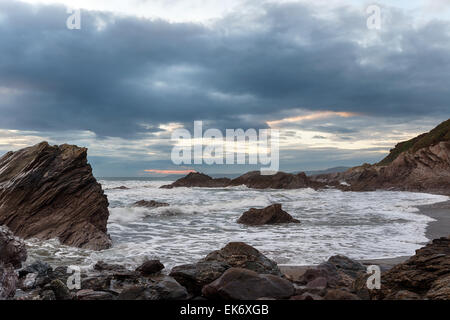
(196,179)
(425,275)
(49,192)
(270,215)
(253,179)
(420,164)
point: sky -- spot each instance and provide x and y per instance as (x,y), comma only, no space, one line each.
(340,93)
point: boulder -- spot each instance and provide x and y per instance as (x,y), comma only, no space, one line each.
(270,215)
(242,255)
(12,249)
(165,288)
(150,267)
(243,284)
(348,266)
(195,276)
(49,192)
(425,274)
(440,289)
(150,204)
(323,273)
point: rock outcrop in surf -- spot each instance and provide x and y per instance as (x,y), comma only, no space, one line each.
(49,192)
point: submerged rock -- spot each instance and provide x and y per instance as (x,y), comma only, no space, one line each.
(12,249)
(49,192)
(150,204)
(243,284)
(196,179)
(270,215)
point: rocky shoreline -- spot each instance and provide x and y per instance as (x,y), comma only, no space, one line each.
(235,272)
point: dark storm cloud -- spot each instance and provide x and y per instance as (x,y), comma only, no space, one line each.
(236,73)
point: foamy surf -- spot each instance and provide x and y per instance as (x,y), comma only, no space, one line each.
(361,225)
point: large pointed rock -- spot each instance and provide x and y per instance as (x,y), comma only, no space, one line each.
(49,192)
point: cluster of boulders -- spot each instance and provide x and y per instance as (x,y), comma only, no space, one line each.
(235,272)
(253,179)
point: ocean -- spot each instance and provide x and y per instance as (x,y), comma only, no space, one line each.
(361,225)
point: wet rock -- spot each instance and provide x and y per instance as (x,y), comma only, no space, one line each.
(242,255)
(121,188)
(150,267)
(111,268)
(8,281)
(254,179)
(150,204)
(165,288)
(243,284)
(270,215)
(36,274)
(49,192)
(12,249)
(195,276)
(195,179)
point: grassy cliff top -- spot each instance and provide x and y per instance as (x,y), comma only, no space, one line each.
(438,134)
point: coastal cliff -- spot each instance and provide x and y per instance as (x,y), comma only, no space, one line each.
(421,164)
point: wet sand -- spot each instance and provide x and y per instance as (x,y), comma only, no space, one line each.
(435,229)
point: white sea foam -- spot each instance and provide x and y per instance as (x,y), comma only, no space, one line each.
(361,225)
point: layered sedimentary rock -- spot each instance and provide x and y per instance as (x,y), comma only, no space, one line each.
(254,180)
(49,192)
(425,275)
(270,215)
(419,164)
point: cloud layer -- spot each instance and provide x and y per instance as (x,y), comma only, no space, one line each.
(122,77)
